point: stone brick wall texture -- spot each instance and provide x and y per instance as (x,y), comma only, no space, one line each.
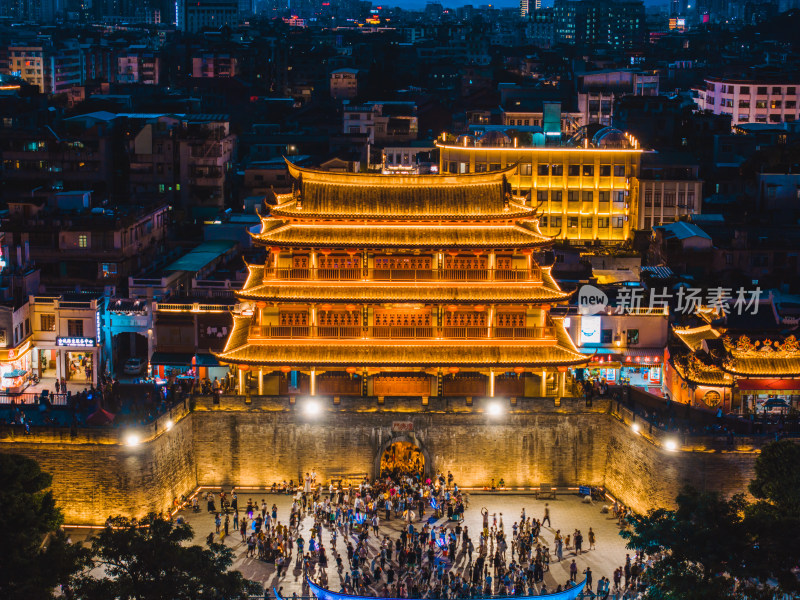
(269,441)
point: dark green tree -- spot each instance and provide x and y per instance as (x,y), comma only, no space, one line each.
(148,560)
(778,476)
(697,543)
(35,556)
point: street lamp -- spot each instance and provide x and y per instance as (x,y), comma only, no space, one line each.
(132,439)
(671,445)
(311,408)
(494,409)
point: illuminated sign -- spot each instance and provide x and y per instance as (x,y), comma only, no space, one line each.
(75,342)
(590,330)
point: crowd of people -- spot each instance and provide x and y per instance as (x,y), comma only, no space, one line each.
(430,552)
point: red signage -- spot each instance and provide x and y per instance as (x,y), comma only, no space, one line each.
(402,426)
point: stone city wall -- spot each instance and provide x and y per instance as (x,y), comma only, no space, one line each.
(265,441)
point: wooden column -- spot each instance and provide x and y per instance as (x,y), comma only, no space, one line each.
(491,383)
(241,383)
(312,384)
(261,382)
(543,384)
(490,323)
(492,264)
(562,383)
(313,261)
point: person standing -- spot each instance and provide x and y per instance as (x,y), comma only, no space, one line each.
(591,539)
(546,515)
(588,573)
(573,571)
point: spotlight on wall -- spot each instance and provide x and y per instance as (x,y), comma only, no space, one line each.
(169,425)
(132,439)
(494,409)
(635,427)
(671,445)
(311,408)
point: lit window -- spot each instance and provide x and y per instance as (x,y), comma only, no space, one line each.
(83,241)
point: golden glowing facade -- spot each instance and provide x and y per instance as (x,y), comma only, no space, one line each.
(583,190)
(400,285)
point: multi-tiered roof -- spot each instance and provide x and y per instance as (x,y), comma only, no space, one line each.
(368,214)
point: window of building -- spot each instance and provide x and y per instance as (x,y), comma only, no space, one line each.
(633,337)
(728,258)
(606,336)
(47,322)
(744,103)
(83,240)
(573,196)
(690,200)
(557,170)
(618,222)
(775,104)
(541,196)
(791,91)
(480,167)
(775,118)
(648,198)
(543,170)
(526,169)
(762,91)
(605,170)
(543,220)
(761,104)
(572,222)
(588,196)
(586,222)
(574,170)
(109,269)
(745,89)
(710,101)
(777,91)
(791,104)
(588,170)
(603,222)
(75,327)
(669,199)
(27,326)
(555,222)
(657,199)
(494,166)
(556,196)
(619,170)
(453,167)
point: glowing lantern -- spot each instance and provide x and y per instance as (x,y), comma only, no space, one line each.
(452,252)
(244,367)
(519,371)
(453,370)
(351,370)
(479,308)
(326,307)
(562,369)
(286,369)
(275,249)
(351,307)
(325,251)
(477,252)
(452,308)
(261,304)
(527,251)
(351,251)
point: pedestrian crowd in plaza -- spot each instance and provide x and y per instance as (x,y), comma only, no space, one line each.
(429,558)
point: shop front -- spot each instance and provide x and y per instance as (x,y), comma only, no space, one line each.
(641,368)
(15,368)
(769,395)
(78,358)
(176,365)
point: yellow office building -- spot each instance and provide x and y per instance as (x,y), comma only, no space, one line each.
(583,189)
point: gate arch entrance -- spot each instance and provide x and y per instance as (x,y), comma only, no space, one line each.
(402,455)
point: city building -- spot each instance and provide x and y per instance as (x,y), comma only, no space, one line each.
(344,84)
(382,122)
(618,24)
(215,64)
(53,69)
(626,344)
(195,16)
(67,337)
(669,188)
(139,65)
(412,285)
(599,90)
(413,159)
(750,100)
(581,189)
(540,27)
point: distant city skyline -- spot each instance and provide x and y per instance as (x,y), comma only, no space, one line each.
(420,4)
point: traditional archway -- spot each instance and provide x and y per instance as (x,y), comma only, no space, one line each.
(404,453)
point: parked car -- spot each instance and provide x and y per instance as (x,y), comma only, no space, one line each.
(134,366)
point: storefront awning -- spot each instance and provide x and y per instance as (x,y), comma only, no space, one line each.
(207,360)
(768,385)
(638,357)
(172,359)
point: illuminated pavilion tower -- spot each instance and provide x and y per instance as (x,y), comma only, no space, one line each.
(400,285)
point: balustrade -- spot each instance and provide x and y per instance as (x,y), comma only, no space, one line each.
(399,332)
(357,274)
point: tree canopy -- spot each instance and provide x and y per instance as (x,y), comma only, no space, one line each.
(148,560)
(714,548)
(34,556)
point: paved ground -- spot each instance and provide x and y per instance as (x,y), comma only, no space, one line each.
(567,513)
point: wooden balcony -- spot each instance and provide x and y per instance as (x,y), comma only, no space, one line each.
(394,332)
(409,275)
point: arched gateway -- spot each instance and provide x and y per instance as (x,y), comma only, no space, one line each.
(402,454)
